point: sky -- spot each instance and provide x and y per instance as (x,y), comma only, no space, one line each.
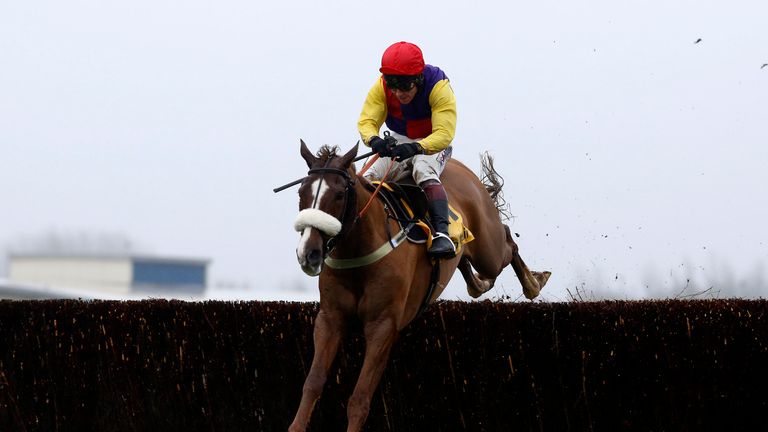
(635,158)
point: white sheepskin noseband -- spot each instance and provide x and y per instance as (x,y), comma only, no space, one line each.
(317,219)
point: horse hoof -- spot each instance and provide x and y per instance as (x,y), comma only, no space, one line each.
(482,287)
(540,279)
(476,292)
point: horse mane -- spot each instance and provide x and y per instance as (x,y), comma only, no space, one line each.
(327,152)
(493,182)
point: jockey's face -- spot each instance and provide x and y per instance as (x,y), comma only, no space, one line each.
(405,96)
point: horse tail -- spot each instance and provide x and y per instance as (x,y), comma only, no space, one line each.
(493,183)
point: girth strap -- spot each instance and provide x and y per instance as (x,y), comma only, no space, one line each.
(381,252)
(433,279)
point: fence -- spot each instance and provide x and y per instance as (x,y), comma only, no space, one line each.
(222,366)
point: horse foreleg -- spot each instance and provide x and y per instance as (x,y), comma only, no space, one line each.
(476,284)
(532,282)
(379,337)
(328,333)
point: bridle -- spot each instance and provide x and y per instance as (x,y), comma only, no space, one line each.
(348,191)
(342,224)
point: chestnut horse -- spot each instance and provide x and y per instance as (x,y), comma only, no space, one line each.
(385,295)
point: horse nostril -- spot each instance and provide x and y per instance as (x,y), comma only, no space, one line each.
(314,257)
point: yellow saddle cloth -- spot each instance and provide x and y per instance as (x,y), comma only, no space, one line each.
(459,234)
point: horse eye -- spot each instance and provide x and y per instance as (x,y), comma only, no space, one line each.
(339,195)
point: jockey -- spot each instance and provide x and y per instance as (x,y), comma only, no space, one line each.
(418,106)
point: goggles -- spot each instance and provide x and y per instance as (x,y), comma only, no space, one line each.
(403,82)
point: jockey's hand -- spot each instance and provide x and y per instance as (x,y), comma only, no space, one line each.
(382,146)
(407,150)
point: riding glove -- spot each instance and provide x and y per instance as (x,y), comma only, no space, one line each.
(406,151)
(382,146)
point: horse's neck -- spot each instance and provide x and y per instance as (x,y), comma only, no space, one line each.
(369,219)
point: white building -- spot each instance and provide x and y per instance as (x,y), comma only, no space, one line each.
(95,276)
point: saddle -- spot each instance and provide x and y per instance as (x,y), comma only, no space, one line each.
(408,205)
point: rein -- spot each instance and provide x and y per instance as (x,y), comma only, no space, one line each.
(375,191)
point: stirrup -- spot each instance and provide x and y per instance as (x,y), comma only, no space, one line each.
(442,253)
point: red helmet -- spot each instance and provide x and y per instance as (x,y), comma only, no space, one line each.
(402,58)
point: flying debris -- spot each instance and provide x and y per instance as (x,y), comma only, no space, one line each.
(764,65)
(698,40)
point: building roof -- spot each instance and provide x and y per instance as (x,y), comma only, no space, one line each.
(111,256)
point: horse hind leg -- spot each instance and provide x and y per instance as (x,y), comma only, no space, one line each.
(476,284)
(532,282)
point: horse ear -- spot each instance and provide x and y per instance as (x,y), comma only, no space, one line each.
(307,155)
(347,159)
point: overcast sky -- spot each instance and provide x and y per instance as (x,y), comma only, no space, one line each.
(635,159)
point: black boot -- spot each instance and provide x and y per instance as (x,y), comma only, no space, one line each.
(442,246)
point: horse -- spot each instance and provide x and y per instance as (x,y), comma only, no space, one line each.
(386,295)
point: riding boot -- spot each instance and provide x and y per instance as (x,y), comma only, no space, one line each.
(442,245)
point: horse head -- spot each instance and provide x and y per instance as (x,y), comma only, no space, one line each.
(326,202)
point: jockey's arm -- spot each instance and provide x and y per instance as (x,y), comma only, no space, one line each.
(443,104)
(374,112)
